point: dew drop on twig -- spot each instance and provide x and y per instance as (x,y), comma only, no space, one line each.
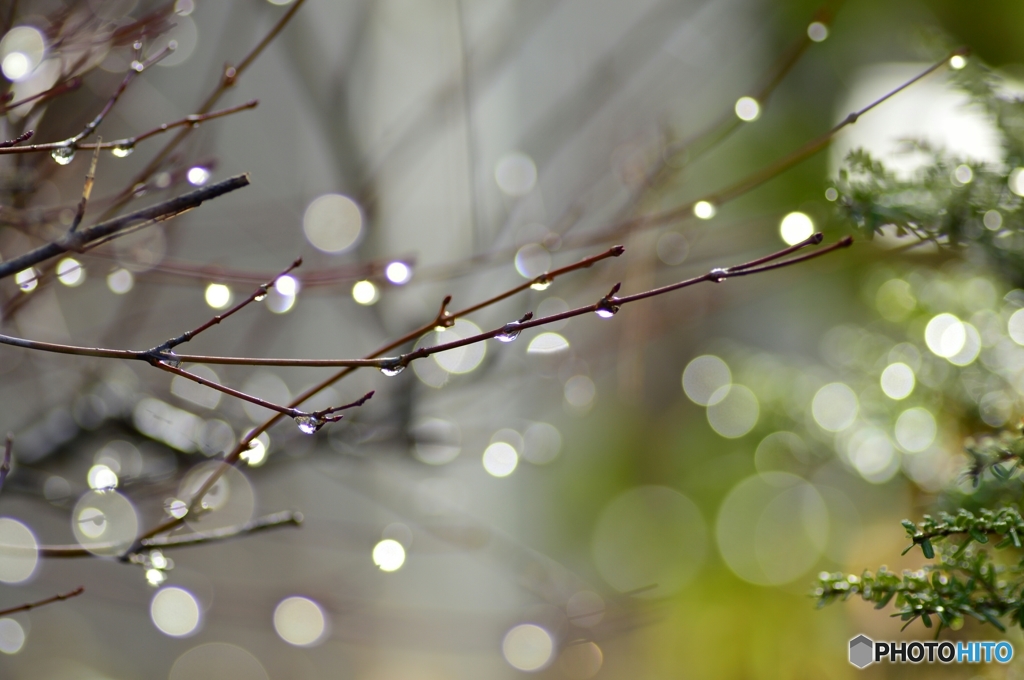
(122,150)
(308,424)
(509,332)
(63,154)
(541,284)
(392,367)
(718,274)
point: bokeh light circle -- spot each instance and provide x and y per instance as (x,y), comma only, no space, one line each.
(733,411)
(175,612)
(528,647)
(332,223)
(703,377)
(19,551)
(835,407)
(217,661)
(772,528)
(649,535)
(300,621)
(104,522)
(230,501)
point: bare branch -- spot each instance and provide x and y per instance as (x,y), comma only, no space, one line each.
(86,191)
(160,211)
(254,296)
(228,79)
(273,521)
(5,466)
(41,603)
(127,143)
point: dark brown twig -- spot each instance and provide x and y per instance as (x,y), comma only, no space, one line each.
(5,466)
(160,211)
(608,304)
(50,600)
(273,521)
(228,79)
(90,177)
(127,143)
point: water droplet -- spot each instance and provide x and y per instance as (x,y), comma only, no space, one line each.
(607,311)
(509,332)
(392,367)
(541,284)
(155,577)
(175,507)
(159,560)
(122,150)
(137,45)
(137,66)
(171,359)
(308,424)
(63,154)
(261,296)
(718,274)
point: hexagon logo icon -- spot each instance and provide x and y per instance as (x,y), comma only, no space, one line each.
(861,651)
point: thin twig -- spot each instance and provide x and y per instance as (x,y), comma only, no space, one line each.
(169,208)
(86,190)
(24,136)
(770,171)
(5,466)
(253,297)
(129,143)
(50,600)
(68,85)
(608,304)
(229,77)
(273,521)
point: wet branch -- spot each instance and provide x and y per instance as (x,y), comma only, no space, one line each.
(274,521)
(160,211)
(50,600)
(128,143)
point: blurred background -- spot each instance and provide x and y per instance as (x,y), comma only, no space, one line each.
(646,496)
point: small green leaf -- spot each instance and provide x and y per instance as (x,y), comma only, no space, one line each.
(978,535)
(927,549)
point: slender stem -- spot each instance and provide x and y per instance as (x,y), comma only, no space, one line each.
(228,79)
(50,600)
(90,177)
(274,521)
(766,173)
(76,241)
(5,466)
(191,121)
(442,317)
(68,85)
(255,295)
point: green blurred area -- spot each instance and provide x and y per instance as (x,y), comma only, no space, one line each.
(777,337)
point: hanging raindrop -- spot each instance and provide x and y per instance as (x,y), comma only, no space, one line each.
(509,332)
(718,274)
(63,154)
(171,359)
(122,150)
(541,284)
(606,310)
(392,367)
(308,424)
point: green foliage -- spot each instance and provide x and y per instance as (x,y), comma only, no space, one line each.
(976,561)
(949,200)
(963,581)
